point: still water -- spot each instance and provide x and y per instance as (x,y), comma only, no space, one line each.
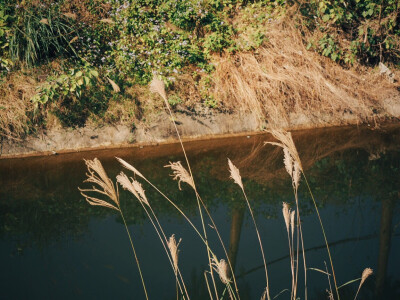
(54,245)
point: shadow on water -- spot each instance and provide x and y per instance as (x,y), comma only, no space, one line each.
(54,244)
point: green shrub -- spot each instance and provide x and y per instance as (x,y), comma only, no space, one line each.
(367,31)
(73,96)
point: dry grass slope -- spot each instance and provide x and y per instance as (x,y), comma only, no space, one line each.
(282,80)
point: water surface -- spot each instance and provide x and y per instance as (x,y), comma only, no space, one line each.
(55,245)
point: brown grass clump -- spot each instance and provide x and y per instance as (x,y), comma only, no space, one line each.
(283,80)
(15,94)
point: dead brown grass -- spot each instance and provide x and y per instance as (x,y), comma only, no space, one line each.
(283,79)
(15,94)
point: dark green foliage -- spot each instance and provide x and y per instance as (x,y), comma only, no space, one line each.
(37,31)
(367,31)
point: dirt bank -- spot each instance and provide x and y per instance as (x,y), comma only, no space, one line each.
(191,126)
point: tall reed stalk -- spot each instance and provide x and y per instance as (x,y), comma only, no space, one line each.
(235,175)
(136,189)
(97,175)
(295,169)
(157,86)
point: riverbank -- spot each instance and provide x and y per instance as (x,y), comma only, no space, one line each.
(162,131)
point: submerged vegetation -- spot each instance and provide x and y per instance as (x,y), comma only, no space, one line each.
(74,63)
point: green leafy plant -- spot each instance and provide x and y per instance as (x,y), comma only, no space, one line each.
(365,31)
(73,96)
(71,84)
(5,62)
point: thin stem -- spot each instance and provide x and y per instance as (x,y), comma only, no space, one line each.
(302,241)
(134,253)
(259,240)
(198,203)
(297,254)
(163,243)
(222,243)
(291,263)
(194,185)
(165,238)
(323,232)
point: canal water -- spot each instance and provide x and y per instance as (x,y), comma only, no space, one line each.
(54,245)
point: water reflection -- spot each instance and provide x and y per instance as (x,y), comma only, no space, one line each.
(50,234)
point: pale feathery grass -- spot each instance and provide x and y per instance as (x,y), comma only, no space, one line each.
(293,166)
(235,175)
(157,86)
(180,174)
(173,248)
(222,269)
(129,167)
(134,187)
(133,169)
(137,190)
(97,175)
(365,274)
(286,141)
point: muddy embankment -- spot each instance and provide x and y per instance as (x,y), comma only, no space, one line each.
(190,126)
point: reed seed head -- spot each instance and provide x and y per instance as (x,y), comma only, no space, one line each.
(134,187)
(286,141)
(97,175)
(130,167)
(157,86)
(221,267)
(365,274)
(235,175)
(173,249)
(296,175)
(286,215)
(288,161)
(180,174)
(292,215)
